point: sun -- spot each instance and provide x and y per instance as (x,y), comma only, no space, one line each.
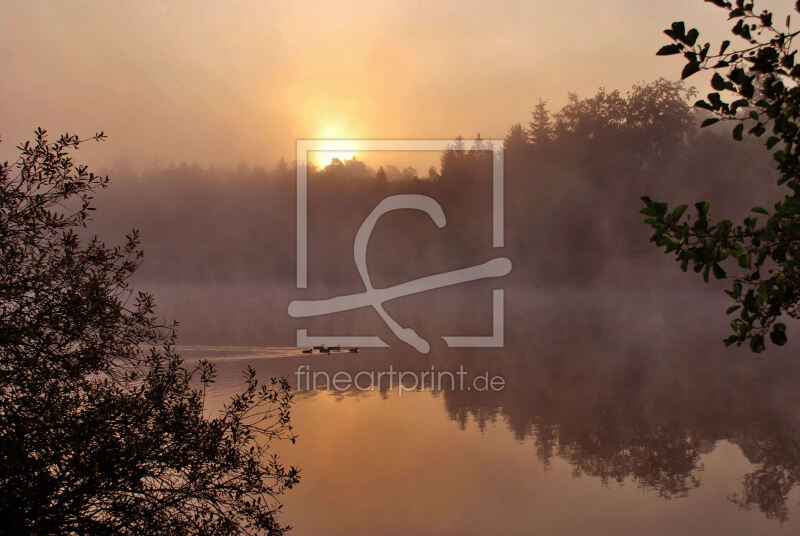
(335,144)
(323,158)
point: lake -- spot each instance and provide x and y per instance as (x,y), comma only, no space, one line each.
(607,422)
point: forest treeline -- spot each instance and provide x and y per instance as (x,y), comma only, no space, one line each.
(573,178)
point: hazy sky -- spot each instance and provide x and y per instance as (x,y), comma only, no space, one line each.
(225,82)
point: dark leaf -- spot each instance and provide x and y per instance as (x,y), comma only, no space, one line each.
(668,50)
(689,70)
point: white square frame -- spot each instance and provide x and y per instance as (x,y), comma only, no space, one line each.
(495,340)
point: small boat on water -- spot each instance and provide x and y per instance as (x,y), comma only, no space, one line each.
(323,350)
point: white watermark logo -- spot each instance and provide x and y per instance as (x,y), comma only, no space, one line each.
(402,381)
(375,298)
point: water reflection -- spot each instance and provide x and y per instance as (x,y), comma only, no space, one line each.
(619,398)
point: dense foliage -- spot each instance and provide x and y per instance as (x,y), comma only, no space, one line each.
(755,87)
(103,428)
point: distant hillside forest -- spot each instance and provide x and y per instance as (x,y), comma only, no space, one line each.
(573,179)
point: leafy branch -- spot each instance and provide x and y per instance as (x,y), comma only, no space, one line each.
(757,87)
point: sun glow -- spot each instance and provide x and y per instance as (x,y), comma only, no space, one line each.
(336,145)
(324,158)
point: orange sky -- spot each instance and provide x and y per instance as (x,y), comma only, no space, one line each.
(228,82)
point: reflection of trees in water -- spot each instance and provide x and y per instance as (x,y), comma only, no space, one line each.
(625,405)
(622,409)
(621,405)
(768,487)
(663,459)
(658,459)
(482,416)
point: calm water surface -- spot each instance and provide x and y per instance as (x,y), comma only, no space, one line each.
(589,437)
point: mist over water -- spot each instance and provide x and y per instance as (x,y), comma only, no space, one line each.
(220,251)
(620,409)
(627,421)
(611,406)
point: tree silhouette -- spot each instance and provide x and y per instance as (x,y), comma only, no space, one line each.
(540,128)
(517,140)
(103,429)
(380,177)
